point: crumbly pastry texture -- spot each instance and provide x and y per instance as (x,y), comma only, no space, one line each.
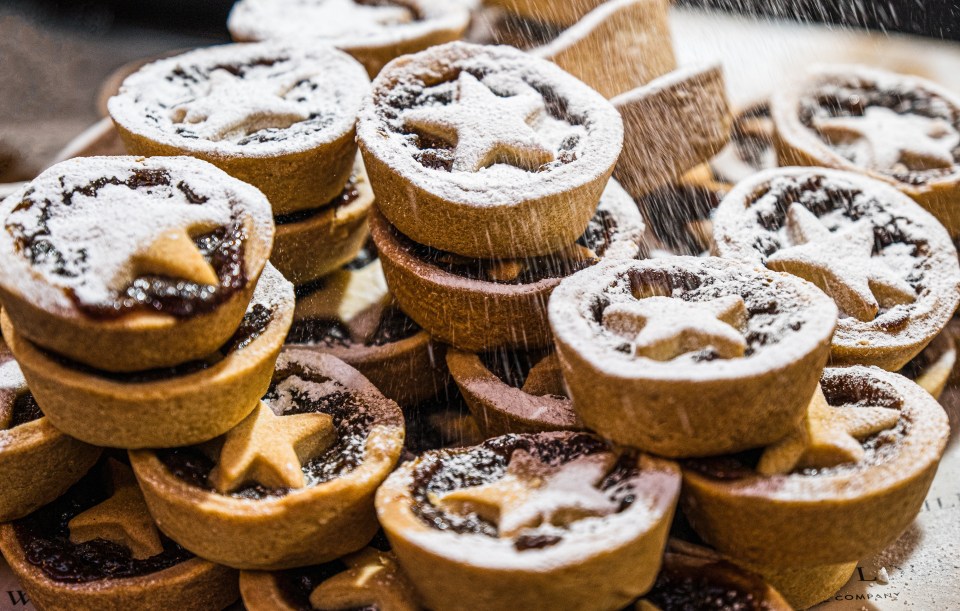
(254,100)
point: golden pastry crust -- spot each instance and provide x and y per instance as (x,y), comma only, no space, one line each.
(42,300)
(605,566)
(617,47)
(811,517)
(932,368)
(887,263)
(670,125)
(369,577)
(306,248)
(281,118)
(192,585)
(804,587)
(800,140)
(713,368)
(541,169)
(162,409)
(565,13)
(371,42)
(500,407)
(37,462)
(302,526)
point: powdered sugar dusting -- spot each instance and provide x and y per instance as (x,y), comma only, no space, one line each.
(294,386)
(346,24)
(88,220)
(244,99)
(11,377)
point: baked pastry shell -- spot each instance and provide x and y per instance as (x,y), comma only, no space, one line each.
(304,251)
(798,145)
(308,526)
(803,587)
(180,410)
(470,314)
(551,213)
(38,463)
(192,585)
(499,408)
(934,376)
(609,575)
(827,518)
(689,411)
(857,343)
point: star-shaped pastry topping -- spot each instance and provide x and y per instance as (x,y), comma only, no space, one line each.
(12,383)
(841,263)
(882,139)
(234,107)
(827,437)
(374,580)
(663,328)
(270,450)
(356,298)
(122,519)
(532,493)
(485,128)
(174,254)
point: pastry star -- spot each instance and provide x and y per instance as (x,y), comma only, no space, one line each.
(827,437)
(532,493)
(234,107)
(122,519)
(882,139)
(373,580)
(270,450)
(485,128)
(663,328)
(174,254)
(841,264)
(355,298)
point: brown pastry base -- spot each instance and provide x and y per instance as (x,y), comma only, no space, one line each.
(470,314)
(173,411)
(499,408)
(307,526)
(193,585)
(670,125)
(307,249)
(806,586)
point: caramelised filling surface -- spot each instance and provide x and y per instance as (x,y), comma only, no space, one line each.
(595,240)
(295,390)
(45,539)
(253,325)
(223,249)
(674,212)
(838,98)
(718,585)
(842,390)
(449,470)
(349,195)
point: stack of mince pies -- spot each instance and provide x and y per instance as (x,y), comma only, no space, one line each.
(475,336)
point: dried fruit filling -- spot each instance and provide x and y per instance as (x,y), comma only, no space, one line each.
(719,586)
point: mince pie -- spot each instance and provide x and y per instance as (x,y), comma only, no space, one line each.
(514,391)
(368,579)
(887,263)
(685,356)
(281,118)
(751,148)
(481,304)
(617,47)
(487,151)
(900,129)
(37,462)
(293,483)
(545,521)
(804,587)
(372,31)
(189,403)
(843,485)
(670,125)
(694,578)
(96,547)
(315,242)
(125,263)
(351,315)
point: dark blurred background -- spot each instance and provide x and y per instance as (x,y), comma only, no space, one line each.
(54,54)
